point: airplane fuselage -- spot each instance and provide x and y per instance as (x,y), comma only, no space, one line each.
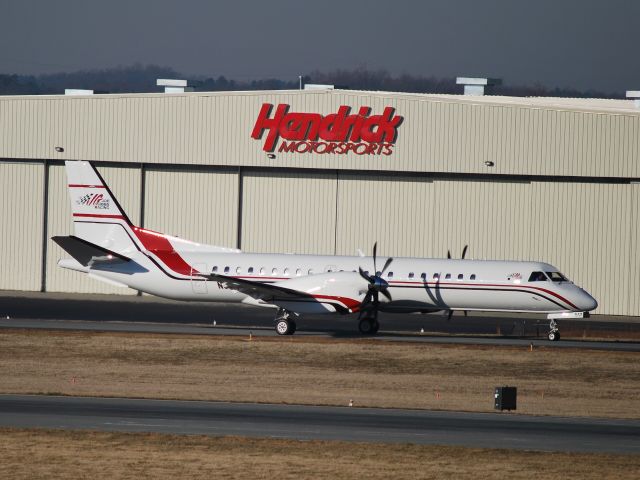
(416,284)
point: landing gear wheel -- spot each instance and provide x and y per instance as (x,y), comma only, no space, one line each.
(554,333)
(554,336)
(368,326)
(285,327)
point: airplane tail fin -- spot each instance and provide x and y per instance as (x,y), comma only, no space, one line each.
(103,225)
(97,216)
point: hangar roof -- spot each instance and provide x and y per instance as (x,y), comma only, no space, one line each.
(605,105)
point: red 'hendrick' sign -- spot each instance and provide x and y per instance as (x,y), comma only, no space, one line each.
(337,133)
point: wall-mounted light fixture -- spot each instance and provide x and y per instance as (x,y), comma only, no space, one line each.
(271,155)
(59,149)
(489,163)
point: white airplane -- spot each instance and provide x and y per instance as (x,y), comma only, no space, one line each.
(108,247)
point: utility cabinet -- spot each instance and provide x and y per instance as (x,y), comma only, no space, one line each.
(505,398)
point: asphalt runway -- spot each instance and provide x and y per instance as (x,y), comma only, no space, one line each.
(153,315)
(136,327)
(500,430)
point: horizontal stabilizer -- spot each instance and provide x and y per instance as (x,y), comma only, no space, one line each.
(87,253)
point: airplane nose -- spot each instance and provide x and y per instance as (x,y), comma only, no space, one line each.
(587,302)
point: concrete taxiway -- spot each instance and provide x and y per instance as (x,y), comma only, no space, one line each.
(500,430)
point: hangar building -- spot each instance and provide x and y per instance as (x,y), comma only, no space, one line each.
(332,171)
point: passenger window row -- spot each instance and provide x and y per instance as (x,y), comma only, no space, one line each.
(287,272)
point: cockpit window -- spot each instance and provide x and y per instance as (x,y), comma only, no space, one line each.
(537,277)
(557,277)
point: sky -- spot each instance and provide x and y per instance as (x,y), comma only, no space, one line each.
(583,44)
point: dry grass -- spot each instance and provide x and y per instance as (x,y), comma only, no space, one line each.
(36,454)
(298,370)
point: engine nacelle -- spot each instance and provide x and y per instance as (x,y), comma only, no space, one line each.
(333,292)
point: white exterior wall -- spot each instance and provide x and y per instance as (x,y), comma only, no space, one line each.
(196,205)
(396,212)
(289,212)
(587,231)
(21,200)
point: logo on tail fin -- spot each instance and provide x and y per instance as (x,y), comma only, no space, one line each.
(95,200)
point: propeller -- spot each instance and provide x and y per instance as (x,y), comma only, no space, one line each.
(464,253)
(377,284)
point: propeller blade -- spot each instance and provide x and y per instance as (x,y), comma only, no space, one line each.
(386,294)
(366,300)
(386,265)
(464,251)
(375,248)
(364,275)
(449,254)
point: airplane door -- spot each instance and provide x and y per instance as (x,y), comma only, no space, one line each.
(197,285)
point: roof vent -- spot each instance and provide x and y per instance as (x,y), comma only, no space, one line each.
(477,86)
(635,94)
(174,85)
(318,86)
(77,91)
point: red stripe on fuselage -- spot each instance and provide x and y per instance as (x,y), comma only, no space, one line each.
(353,305)
(158,244)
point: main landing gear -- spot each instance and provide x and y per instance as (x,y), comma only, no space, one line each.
(554,332)
(285,324)
(368,326)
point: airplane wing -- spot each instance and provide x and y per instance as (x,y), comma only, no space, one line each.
(87,253)
(339,289)
(258,290)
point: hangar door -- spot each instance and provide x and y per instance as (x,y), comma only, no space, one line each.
(288,212)
(492,217)
(397,212)
(21,201)
(197,205)
(590,232)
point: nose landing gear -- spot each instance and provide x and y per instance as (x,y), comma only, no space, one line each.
(554,332)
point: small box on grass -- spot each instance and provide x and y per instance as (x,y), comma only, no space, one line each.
(505,398)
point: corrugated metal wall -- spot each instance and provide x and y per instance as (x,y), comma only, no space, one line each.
(493,218)
(634,257)
(438,134)
(125,183)
(586,231)
(196,205)
(396,212)
(289,212)
(21,206)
